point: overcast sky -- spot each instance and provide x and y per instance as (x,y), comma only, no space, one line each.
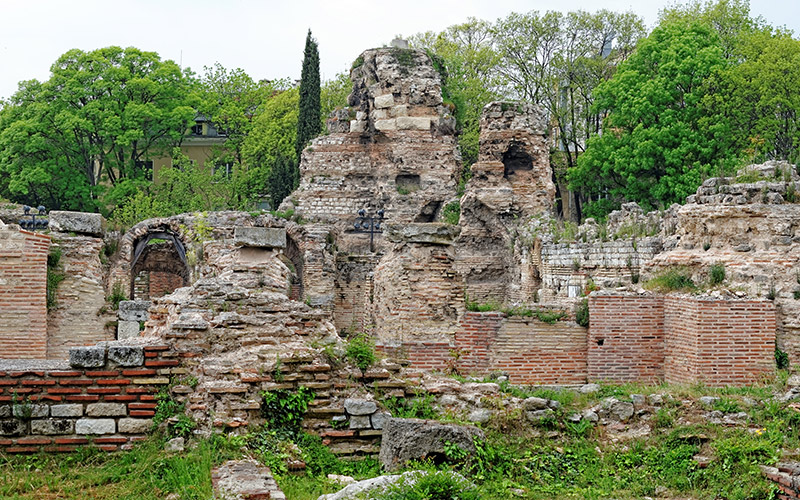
(265,38)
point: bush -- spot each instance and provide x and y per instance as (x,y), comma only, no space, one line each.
(451,213)
(717,274)
(436,485)
(781,359)
(361,351)
(283,409)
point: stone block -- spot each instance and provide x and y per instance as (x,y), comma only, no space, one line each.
(413,439)
(384,101)
(379,419)
(190,321)
(359,406)
(263,237)
(135,425)
(77,222)
(87,357)
(413,123)
(358,126)
(435,233)
(30,411)
(106,410)
(360,422)
(12,427)
(133,310)
(95,426)
(127,329)
(52,426)
(400,110)
(5,411)
(386,125)
(72,410)
(126,355)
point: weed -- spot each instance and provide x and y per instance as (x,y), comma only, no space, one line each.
(706,246)
(579,429)
(582,313)
(117,295)
(717,274)
(727,405)
(277,372)
(772,293)
(283,409)
(420,406)
(361,351)
(796,294)
(671,280)
(781,359)
(403,191)
(451,213)
(663,418)
(55,275)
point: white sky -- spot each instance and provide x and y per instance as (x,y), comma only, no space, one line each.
(265,38)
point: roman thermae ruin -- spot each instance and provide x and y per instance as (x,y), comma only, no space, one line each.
(240,303)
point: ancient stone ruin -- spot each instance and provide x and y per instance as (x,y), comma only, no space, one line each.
(223,306)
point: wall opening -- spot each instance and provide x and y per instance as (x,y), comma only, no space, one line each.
(159,265)
(429,212)
(295,257)
(516,159)
(407,183)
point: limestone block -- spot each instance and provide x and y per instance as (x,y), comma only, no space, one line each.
(407,439)
(264,237)
(87,357)
(12,427)
(77,222)
(95,426)
(106,410)
(400,110)
(358,126)
(126,355)
(360,422)
(71,410)
(31,411)
(384,101)
(135,425)
(127,329)
(380,114)
(191,321)
(52,426)
(361,115)
(359,406)
(386,125)
(413,123)
(133,310)
(379,419)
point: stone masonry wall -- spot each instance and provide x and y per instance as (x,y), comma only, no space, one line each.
(80,317)
(354,292)
(23,285)
(105,395)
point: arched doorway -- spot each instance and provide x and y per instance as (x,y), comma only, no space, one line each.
(158,265)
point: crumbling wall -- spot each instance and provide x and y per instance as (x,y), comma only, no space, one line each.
(354,292)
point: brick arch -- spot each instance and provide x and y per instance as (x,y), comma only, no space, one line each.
(163,263)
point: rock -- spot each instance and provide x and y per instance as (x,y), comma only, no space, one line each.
(77,222)
(574,417)
(590,415)
(133,310)
(434,233)
(191,321)
(793,381)
(262,237)
(68,410)
(126,355)
(638,400)
(616,410)
(589,388)
(369,487)
(536,416)
(53,426)
(343,480)
(12,427)
(244,480)
(407,439)
(135,425)
(175,445)
(359,406)
(358,422)
(480,415)
(655,399)
(708,400)
(87,357)
(379,419)
(5,411)
(533,404)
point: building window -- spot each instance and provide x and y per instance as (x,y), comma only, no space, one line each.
(197,129)
(224,170)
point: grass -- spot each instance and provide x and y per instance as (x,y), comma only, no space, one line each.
(676,279)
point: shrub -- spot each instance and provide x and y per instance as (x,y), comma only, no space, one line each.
(361,351)
(582,313)
(117,295)
(435,485)
(781,359)
(451,213)
(284,409)
(717,274)
(420,406)
(55,276)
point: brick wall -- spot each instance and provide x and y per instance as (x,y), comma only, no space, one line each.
(162,283)
(353,292)
(680,339)
(105,397)
(626,338)
(23,288)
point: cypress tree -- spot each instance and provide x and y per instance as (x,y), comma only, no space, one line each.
(309,124)
(282,179)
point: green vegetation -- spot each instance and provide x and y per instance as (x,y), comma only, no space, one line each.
(677,279)
(283,409)
(420,406)
(582,313)
(716,274)
(451,213)
(543,315)
(117,295)
(309,124)
(55,275)
(361,351)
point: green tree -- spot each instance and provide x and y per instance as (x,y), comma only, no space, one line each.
(309,124)
(333,95)
(89,127)
(654,149)
(282,179)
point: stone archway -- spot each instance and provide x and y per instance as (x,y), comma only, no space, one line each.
(159,266)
